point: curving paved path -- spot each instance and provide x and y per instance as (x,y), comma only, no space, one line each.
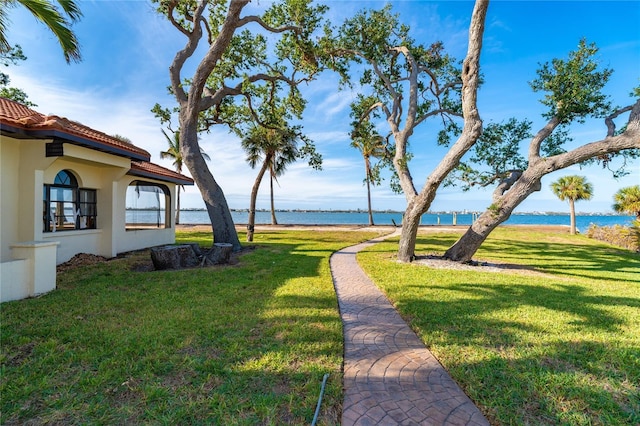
(390,377)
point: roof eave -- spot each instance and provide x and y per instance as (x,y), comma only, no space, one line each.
(22,133)
(150,175)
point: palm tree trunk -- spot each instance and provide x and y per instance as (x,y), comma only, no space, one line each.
(273,207)
(572,213)
(369,202)
(251,221)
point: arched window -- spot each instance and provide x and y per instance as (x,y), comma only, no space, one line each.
(146,205)
(66,206)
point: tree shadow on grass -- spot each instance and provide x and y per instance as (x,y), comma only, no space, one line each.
(242,345)
(559,258)
(533,354)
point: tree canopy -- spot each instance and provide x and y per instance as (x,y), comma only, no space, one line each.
(249,72)
(572,188)
(573,90)
(58,21)
(407,83)
(627,200)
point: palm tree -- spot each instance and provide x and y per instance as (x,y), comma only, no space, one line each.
(173,152)
(276,148)
(572,188)
(371,144)
(627,200)
(47,13)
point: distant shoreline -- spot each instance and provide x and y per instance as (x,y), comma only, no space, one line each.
(535,213)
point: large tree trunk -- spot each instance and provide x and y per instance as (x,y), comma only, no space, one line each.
(501,209)
(191,105)
(224,230)
(409,234)
(251,222)
(418,204)
(529,182)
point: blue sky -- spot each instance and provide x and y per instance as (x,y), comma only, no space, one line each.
(127,49)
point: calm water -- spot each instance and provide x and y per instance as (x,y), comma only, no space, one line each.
(362,218)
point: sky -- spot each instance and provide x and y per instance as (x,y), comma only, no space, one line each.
(127,49)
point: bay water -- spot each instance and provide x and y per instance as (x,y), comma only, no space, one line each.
(297,217)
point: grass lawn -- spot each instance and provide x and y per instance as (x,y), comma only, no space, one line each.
(238,345)
(559,344)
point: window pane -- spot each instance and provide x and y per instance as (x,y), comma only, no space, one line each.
(87,196)
(62,194)
(146,205)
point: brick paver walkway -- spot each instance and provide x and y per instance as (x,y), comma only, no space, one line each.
(390,377)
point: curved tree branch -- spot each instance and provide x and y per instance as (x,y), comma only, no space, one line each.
(611,126)
(256,19)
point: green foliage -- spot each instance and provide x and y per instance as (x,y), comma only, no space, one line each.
(173,150)
(401,82)
(366,139)
(573,90)
(574,87)
(627,200)
(17,95)
(279,147)
(573,188)
(57,21)
(12,56)
(496,153)
(256,78)
(379,41)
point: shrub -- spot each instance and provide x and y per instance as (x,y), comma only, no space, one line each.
(621,236)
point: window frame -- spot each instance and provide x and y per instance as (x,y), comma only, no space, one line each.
(82,202)
(162,212)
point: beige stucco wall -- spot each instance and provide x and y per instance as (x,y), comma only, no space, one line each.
(9,158)
(24,171)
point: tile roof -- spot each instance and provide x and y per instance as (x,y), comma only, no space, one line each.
(33,123)
(146,169)
(21,120)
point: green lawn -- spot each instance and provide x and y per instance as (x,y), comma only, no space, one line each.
(249,343)
(559,345)
(238,345)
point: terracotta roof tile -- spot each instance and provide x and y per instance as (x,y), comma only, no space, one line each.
(33,123)
(142,168)
(22,117)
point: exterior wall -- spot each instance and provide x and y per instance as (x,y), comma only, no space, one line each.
(93,170)
(9,196)
(14,280)
(25,169)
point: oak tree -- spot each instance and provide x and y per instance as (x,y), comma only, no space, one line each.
(408,83)
(573,92)
(242,60)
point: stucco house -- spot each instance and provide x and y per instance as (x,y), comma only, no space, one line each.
(67,189)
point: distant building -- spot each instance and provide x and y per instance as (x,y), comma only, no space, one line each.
(67,189)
